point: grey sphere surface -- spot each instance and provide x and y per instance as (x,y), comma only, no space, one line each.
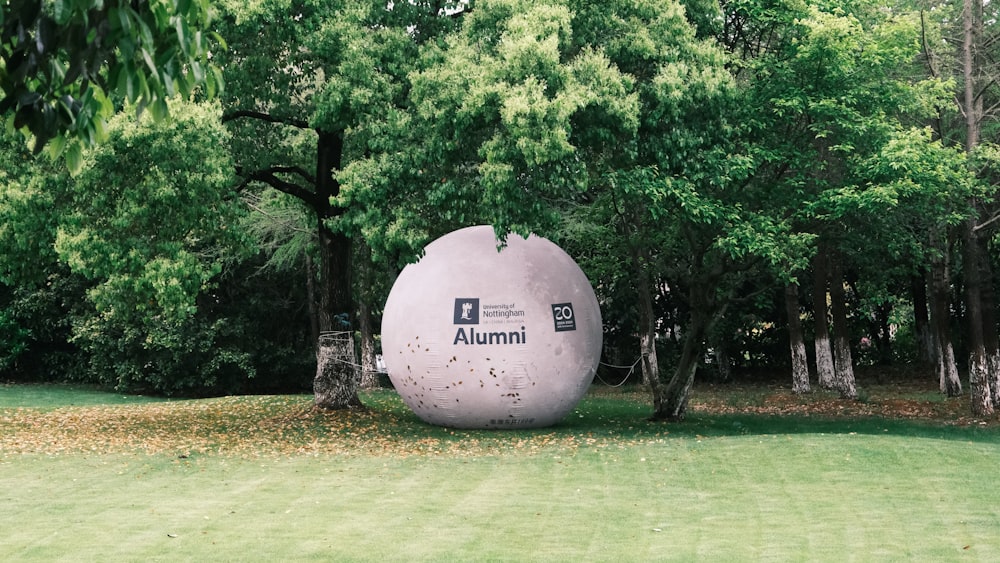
(476,338)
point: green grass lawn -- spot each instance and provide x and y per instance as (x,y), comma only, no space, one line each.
(63,395)
(268,479)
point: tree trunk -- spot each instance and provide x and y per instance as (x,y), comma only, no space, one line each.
(796,341)
(883,334)
(947,368)
(972,104)
(335,365)
(980,396)
(843,364)
(990,336)
(312,299)
(647,320)
(921,321)
(671,401)
(364,294)
(336,383)
(369,369)
(723,361)
(824,355)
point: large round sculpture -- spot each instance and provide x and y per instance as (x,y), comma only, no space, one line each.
(476,338)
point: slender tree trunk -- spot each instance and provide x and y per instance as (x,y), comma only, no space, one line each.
(990,337)
(312,299)
(842,362)
(369,369)
(639,258)
(921,321)
(980,396)
(647,328)
(947,367)
(972,104)
(723,361)
(883,336)
(796,341)
(824,354)
(671,401)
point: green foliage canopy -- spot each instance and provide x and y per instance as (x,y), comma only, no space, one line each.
(148,211)
(64,62)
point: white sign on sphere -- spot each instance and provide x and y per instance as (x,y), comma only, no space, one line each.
(475,338)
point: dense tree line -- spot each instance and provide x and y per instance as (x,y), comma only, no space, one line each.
(803,186)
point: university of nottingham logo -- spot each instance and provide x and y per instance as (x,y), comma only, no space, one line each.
(467,311)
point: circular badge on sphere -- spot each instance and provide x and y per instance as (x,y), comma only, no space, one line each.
(476,338)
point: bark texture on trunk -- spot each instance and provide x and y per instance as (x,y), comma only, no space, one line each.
(647,320)
(365,270)
(947,370)
(796,341)
(671,401)
(724,362)
(335,385)
(824,354)
(843,363)
(993,366)
(369,369)
(312,299)
(921,320)
(947,367)
(991,340)
(980,396)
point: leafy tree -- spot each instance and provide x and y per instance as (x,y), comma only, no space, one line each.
(151,226)
(983,343)
(969,27)
(147,211)
(838,85)
(34,291)
(64,62)
(309,84)
(613,108)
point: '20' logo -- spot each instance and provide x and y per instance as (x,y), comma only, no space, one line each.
(563,317)
(563,312)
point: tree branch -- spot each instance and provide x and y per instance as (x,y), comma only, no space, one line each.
(270,177)
(986,224)
(925,46)
(261,116)
(299,171)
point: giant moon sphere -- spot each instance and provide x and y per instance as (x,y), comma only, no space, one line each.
(476,338)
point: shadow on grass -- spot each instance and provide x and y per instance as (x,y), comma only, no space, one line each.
(760,424)
(625,418)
